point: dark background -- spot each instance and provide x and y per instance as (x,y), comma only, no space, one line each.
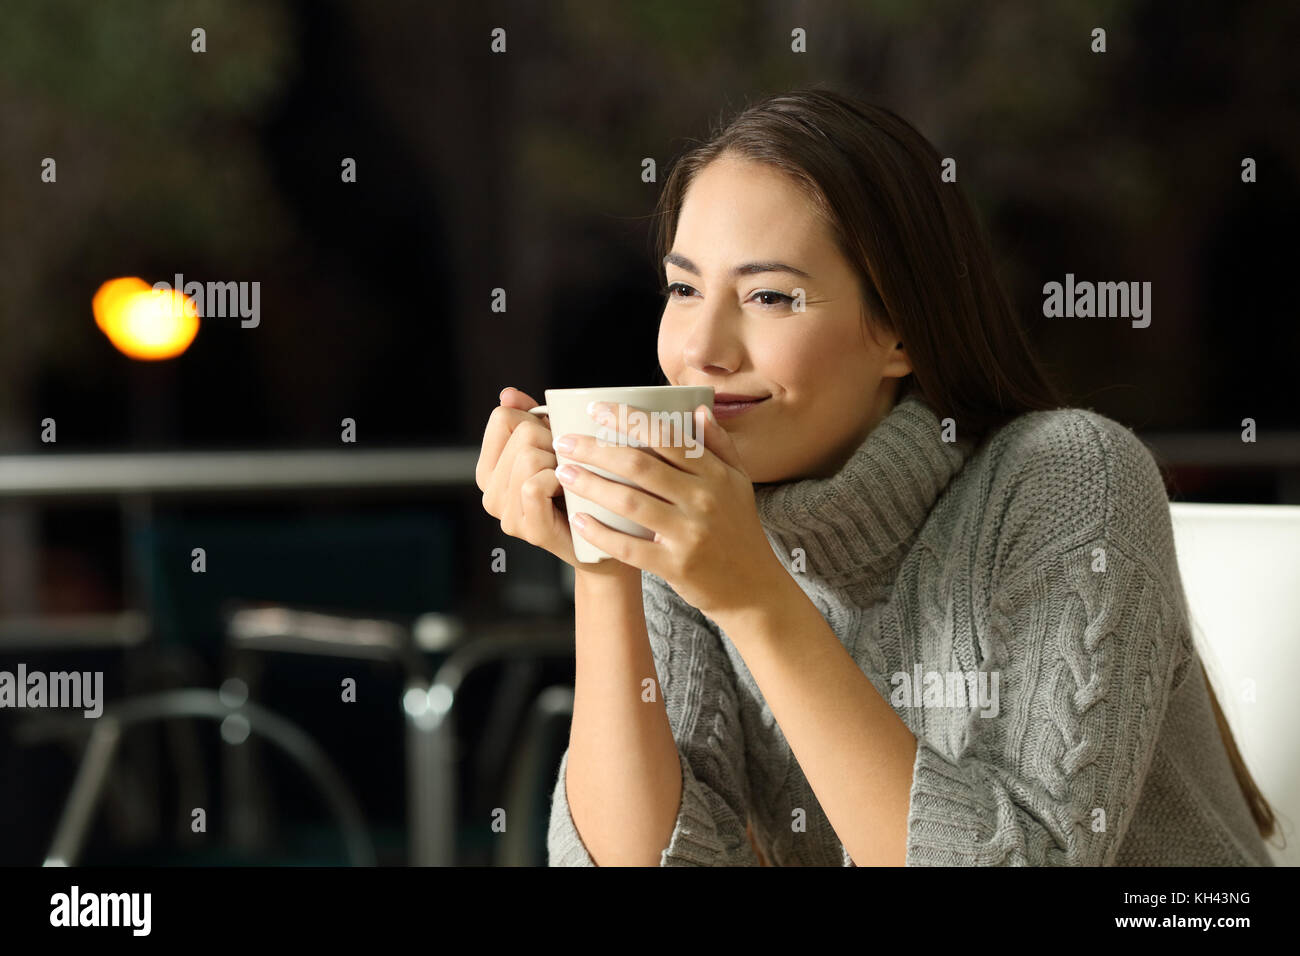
(522,171)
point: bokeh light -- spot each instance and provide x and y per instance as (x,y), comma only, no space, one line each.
(143,323)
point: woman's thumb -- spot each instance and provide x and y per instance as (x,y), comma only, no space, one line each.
(716,438)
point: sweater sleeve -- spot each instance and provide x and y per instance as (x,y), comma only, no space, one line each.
(1087,636)
(699,691)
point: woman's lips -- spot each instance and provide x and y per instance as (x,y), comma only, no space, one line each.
(723,410)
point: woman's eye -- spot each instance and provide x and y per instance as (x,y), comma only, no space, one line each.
(773,299)
(779,296)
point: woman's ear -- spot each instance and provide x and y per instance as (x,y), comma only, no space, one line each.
(897,364)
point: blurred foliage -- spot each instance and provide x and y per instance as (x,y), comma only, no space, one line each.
(130,61)
(155,144)
(1125,162)
(950,66)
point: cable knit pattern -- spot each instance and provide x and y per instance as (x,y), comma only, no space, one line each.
(1044,560)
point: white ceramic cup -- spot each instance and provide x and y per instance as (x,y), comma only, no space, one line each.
(670,416)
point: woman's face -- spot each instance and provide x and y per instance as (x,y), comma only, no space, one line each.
(729,323)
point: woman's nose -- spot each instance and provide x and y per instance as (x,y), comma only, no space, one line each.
(712,344)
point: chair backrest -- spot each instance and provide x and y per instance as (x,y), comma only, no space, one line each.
(1240,566)
(398,563)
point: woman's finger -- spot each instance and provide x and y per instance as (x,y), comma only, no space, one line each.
(517,398)
(495,436)
(672,436)
(628,548)
(528,462)
(624,500)
(526,434)
(716,438)
(656,476)
(541,497)
(501,424)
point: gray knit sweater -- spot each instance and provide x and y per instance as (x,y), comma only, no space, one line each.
(1036,572)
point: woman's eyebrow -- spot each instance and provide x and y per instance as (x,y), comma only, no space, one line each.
(746,269)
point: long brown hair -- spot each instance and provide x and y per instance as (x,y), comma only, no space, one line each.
(923,263)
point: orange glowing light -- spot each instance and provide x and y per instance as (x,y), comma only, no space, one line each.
(142,323)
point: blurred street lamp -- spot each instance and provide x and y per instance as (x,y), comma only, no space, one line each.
(149,325)
(143,323)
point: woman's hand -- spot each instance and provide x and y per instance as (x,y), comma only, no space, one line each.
(516,473)
(709,544)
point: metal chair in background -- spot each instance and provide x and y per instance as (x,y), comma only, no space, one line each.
(238,718)
(262,630)
(350,587)
(430,706)
(531,783)
(303,618)
(432,733)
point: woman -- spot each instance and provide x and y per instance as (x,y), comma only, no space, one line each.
(905,609)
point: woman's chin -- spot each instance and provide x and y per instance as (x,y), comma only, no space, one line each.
(757,460)
(761,474)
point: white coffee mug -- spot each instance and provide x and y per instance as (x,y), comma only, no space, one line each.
(671,420)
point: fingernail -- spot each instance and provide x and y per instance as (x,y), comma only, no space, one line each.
(564,444)
(566,473)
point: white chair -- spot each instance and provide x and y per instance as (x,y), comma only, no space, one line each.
(1240,566)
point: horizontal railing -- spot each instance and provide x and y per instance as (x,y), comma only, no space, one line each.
(55,475)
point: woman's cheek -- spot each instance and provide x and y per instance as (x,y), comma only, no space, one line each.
(669,347)
(667,358)
(789,363)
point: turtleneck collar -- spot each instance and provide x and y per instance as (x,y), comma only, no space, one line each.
(856,526)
